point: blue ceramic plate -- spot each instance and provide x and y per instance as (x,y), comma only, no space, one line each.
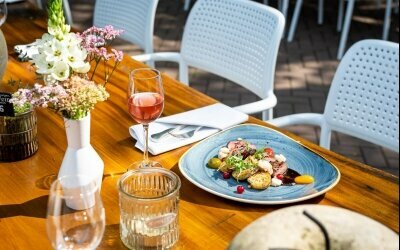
(193,165)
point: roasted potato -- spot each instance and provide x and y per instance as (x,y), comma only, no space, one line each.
(260,180)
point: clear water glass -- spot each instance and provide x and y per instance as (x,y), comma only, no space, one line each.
(75,213)
(148,200)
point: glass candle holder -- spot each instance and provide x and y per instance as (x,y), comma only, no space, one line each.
(148,200)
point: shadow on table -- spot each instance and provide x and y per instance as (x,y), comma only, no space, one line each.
(192,192)
(33,208)
(111,238)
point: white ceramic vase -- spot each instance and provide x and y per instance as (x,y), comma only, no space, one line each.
(80,157)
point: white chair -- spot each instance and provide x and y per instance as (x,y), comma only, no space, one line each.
(136,18)
(363,100)
(235,39)
(67,10)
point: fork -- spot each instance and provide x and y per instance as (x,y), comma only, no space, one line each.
(160,135)
(185,135)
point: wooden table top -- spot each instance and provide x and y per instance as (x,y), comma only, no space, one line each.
(24,185)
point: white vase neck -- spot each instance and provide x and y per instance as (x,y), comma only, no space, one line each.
(78,132)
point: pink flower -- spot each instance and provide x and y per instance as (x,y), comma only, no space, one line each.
(118,55)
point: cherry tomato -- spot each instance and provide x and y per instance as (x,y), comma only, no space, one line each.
(240,189)
(270,153)
(279,176)
(226,175)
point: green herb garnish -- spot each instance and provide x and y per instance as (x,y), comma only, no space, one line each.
(238,163)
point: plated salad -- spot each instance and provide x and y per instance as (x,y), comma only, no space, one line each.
(261,167)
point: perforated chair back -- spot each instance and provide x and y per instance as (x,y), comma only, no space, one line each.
(364,97)
(235,39)
(136,18)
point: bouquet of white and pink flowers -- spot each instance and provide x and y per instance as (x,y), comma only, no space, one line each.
(64,59)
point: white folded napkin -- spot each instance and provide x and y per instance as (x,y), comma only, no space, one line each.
(212,118)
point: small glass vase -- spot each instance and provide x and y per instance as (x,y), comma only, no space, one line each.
(80,157)
(18,136)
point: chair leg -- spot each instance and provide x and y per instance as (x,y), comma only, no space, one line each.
(295,19)
(386,24)
(280,5)
(325,137)
(183,73)
(186,5)
(346,28)
(268,114)
(340,16)
(39,4)
(396,8)
(67,12)
(320,12)
(285,7)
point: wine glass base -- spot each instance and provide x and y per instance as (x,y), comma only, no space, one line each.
(143,164)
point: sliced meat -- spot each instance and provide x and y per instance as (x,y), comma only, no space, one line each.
(279,168)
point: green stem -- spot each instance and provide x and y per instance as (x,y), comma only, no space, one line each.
(95,68)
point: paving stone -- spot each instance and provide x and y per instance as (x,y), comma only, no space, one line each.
(302,108)
(351,151)
(373,157)
(318,104)
(394,163)
(283,109)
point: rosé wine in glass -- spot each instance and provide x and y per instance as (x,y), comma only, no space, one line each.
(145,103)
(145,107)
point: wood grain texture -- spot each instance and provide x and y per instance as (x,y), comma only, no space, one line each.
(206,221)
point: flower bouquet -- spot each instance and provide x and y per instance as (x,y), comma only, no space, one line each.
(64,59)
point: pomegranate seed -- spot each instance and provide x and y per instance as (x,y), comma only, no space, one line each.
(279,176)
(226,175)
(240,189)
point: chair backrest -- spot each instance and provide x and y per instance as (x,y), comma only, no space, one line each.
(135,17)
(364,97)
(235,39)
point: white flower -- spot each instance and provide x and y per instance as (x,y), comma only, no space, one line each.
(41,64)
(75,57)
(280,158)
(61,71)
(84,69)
(223,152)
(265,166)
(72,40)
(55,51)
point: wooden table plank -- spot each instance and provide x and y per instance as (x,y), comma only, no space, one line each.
(24,184)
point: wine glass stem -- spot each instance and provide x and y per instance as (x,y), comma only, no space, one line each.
(146,144)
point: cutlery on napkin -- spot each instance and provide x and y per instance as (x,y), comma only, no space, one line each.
(212,119)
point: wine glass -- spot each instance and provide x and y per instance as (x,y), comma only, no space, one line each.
(145,103)
(3,11)
(75,213)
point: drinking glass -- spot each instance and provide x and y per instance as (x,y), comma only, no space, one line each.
(145,103)
(148,200)
(75,213)
(3,11)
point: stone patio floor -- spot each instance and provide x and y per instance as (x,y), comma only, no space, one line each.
(304,71)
